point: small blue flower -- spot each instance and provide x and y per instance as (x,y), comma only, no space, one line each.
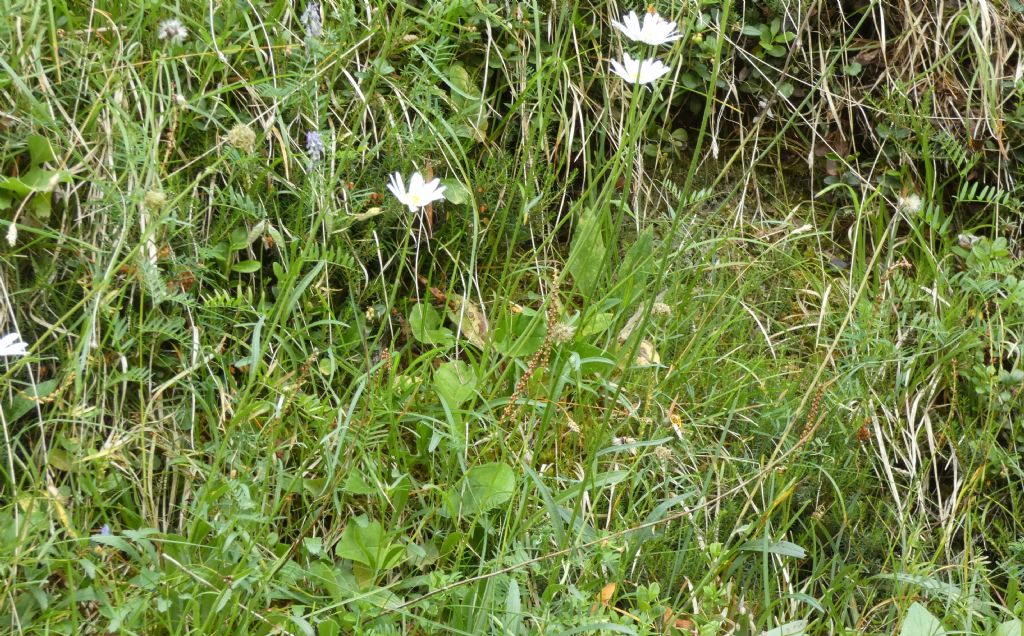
(105,530)
(314,147)
(311,20)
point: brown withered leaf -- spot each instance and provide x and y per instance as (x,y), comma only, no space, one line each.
(604,597)
(670,618)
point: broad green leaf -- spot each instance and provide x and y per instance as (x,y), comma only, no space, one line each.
(239,238)
(513,607)
(41,205)
(518,335)
(455,382)
(454,191)
(40,150)
(60,459)
(246,267)
(920,622)
(587,358)
(635,268)
(15,185)
(313,545)
(795,628)
(365,542)
(328,627)
(426,326)
(597,323)
(355,484)
(782,548)
(458,78)
(587,256)
(1009,628)
(482,488)
(24,401)
(35,180)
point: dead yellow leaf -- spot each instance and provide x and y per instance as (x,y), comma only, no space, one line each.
(469,320)
(647,355)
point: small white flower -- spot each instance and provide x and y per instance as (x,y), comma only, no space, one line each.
(966,241)
(12,234)
(910,203)
(655,30)
(13,345)
(172,30)
(639,72)
(419,194)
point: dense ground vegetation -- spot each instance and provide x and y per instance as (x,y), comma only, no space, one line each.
(734,352)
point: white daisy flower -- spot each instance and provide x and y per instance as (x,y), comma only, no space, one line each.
(420,192)
(655,30)
(13,345)
(172,30)
(639,72)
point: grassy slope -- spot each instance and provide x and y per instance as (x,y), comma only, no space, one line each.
(259,385)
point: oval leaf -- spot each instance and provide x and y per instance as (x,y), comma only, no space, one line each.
(483,488)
